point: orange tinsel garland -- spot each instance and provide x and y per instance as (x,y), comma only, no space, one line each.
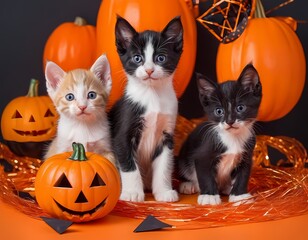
(279,192)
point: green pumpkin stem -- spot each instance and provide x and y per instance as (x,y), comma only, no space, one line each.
(79,21)
(259,11)
(33,88)
(79,153)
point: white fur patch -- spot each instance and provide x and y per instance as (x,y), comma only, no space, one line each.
(162,177)
(132,187)
(94,137)
(234,139)
(205,199)
(246,198)
(167,196)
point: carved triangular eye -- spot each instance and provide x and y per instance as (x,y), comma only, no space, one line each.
(63,182)
(97,181)
(16,115)
(49,114)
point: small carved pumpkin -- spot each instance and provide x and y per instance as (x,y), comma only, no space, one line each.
(77,186)
(29,119)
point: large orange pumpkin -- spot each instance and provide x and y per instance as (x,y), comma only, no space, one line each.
(71,45)
(78,186)
(145,15)
(276,52)
(28,122)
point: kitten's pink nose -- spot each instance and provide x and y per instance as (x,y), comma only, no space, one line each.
(82,108)
(149,71)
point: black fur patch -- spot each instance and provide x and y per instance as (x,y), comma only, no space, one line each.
(126,128)
(167,141)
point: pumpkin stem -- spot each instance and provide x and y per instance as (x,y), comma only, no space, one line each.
(259,12)
(79,21)
(33,88)
(79,153)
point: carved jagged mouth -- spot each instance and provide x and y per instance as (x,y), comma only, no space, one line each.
(81,213)
(32,133)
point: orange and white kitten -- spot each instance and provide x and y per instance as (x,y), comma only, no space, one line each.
(80,97)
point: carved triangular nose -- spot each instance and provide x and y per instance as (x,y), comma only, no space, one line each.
(31,119)
(81,198)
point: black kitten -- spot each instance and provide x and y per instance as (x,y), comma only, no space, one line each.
(143,120)
(217,156)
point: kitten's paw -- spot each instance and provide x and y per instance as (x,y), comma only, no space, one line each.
(188,188)
(206,199)
(132,196)
(246,198)
(167,196)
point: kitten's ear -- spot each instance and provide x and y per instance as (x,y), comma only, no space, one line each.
(249,79)
(54,75)
(174,30)
(205,86)
(124,33)
(101,69)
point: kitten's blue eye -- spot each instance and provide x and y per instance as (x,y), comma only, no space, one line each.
(161,58)
(137,58)
(240,108)
(219,112)
(92,95)
(70,97)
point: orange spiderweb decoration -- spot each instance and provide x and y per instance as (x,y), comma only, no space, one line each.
(278,192)
(227,19)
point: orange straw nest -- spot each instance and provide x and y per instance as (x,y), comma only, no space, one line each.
(278,192)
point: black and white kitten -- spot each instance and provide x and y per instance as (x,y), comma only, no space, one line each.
(217,156)
(143,120)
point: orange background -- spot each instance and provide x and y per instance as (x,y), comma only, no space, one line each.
(16,225)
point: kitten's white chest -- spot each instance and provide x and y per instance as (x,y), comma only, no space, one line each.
(70,131)
(159,117)
(234,143)
(235,146)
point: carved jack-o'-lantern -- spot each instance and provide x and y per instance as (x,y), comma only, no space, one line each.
(77,186)
(30,119)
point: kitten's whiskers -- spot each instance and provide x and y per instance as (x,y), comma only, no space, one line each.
(207,131)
